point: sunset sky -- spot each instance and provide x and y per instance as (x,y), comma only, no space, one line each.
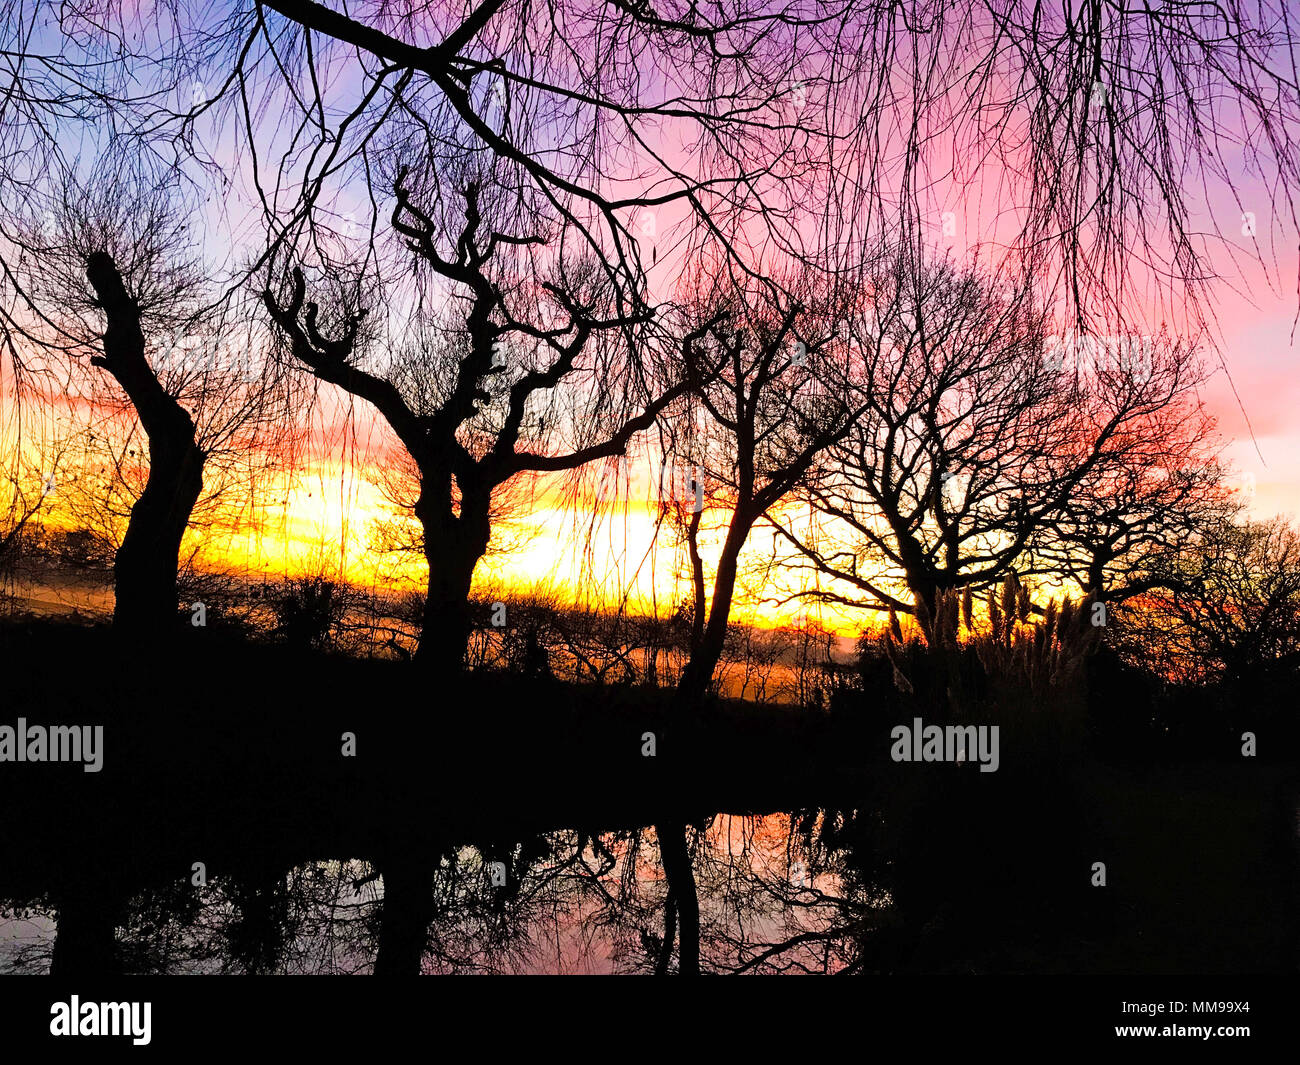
(329,515)
(326,521)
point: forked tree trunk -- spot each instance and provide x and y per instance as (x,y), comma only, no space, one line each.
(144,571)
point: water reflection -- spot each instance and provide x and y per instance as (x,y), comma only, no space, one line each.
(772,893)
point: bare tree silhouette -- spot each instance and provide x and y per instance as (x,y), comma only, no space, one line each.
(768,420)
(1227,604)
(487,398)
(116,281)
(980,437)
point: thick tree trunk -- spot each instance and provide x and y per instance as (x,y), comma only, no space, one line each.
(453,545)
(85,942)
(445,628)
(681,887)
(144,572)
(407,914)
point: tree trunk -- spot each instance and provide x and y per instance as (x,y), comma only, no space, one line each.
(407,914)
(1097,574)
(446,623)
(697,581)
(681,887)
(670,934)
(453,545)
(706,654)
(144,571)
(85,942)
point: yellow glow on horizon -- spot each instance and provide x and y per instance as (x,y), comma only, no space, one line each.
(579,553)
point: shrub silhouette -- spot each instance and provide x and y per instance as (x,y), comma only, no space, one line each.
(309,612)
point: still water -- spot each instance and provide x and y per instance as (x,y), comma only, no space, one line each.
(768,893)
